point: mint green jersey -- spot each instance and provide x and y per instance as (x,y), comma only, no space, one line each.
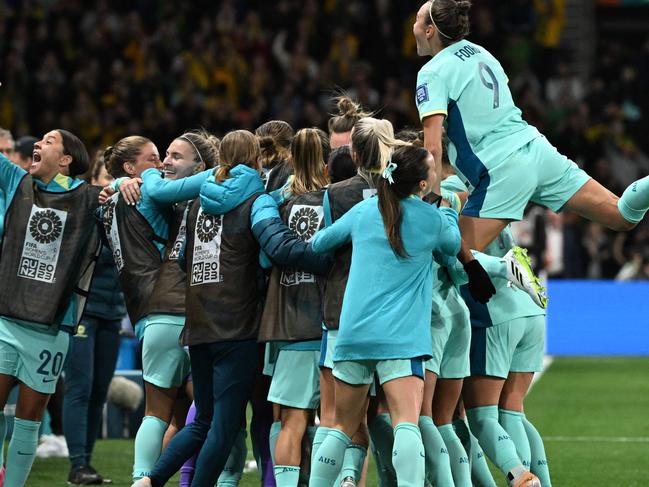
(467,85)
(508,303)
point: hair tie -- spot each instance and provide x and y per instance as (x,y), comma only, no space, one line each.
(183,137)
(387,172)
(430,13)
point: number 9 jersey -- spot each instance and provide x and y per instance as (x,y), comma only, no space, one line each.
(467,84)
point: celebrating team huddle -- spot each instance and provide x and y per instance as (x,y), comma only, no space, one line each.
(366,284)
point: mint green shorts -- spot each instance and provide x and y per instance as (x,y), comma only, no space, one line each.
(34,355)
(296,379)
(536,172)
(451,342)
(358,372)
(165,362)
(513,346)
(327,347)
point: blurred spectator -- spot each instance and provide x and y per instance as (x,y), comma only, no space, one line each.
(24,150)
(6,143)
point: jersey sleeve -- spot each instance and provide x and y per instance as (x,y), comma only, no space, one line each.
(169,191)
(449,240)
(337,234)
(431,95)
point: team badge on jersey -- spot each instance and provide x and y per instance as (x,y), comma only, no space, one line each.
(305,221)
(206,265)
(422,94)
(42,246)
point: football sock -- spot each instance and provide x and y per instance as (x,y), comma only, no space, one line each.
(329,459)
(21,452)
(512,421)
(233,469)
(408,456)
(539,466)
(494,439)
(148,444)
(437,461)
(634,203)
(460,468)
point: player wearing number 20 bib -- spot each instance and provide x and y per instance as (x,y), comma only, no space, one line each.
(506,162)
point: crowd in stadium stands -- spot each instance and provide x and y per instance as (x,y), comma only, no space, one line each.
(155,68)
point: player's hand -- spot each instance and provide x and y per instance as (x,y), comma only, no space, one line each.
(105,193)
(480,285)
(130,190)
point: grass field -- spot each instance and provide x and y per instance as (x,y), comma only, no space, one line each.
(593,413)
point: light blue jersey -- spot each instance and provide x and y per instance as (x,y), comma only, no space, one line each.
(468,85)
(388,300)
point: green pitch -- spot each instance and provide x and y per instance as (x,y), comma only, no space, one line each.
(593,413)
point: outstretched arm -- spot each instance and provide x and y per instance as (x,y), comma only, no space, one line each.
(169,191)
(279,243)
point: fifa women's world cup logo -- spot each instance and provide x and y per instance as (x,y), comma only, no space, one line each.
(207,227)
(45,226)
(42,246)
(305,221)
(206,259)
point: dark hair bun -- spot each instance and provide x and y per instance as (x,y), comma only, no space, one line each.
(462,7)
(346,107)
(267,143)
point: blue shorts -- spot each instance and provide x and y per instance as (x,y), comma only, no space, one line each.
(536,172)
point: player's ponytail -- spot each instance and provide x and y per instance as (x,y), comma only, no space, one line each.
(372,143)
(400,179)
(275,139)
(308,162)
(450,18)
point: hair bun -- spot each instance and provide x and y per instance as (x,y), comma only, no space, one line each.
(267,143)
(462,7)
(347,107)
